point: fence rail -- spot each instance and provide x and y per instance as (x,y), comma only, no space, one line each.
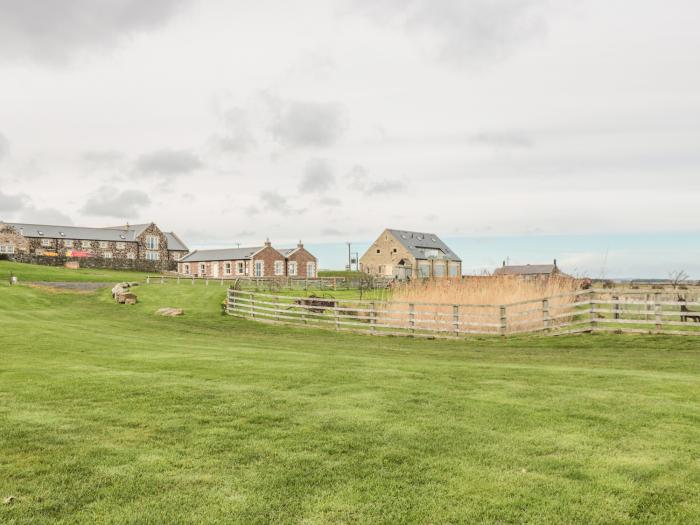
(577,312)
(277,283)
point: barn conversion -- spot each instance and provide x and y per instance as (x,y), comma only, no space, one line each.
(404,254)
(258,261)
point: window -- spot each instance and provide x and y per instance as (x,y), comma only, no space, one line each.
(121,245)
(202,269)
(151,242)
(378,250)
(454,270)
(68,243)
(432,253)
(259,268)
(424,270)
(439,269)
(279,267)
(292,268)
(86,244)
(152,256)
(131,255)
(46,242)
(227,268)
(240,268)
(7,248)
(310,269)
(104,244)
(186,268)
(107,255)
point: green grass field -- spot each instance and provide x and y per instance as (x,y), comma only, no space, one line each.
(110,414)
(32,272)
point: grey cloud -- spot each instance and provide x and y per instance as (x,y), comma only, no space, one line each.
(361,181)
(272,200)
(304,124)
(330,201)
(57,31)
(21,207)
(12,203)
(108,201)
(318,177)
(4,146)
(46,216)
(168,163)
(472,31)
(238,136)
(508,139)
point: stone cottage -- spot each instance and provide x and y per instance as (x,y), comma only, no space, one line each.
(139,242)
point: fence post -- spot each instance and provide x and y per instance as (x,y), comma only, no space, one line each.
(222,282)
(657,311)
(616,306)
(231,300)
(455,319)
(207,281)
(504,320)
(412,317)
(592,312)
(178,279)
(193,280)
(373,317)
(545,315)
(148,279)
(335,314)
(647,306)
(162,280)
(252,304)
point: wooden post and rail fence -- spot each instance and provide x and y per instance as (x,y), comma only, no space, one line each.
(585,311)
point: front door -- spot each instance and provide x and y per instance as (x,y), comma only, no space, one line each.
(215,269)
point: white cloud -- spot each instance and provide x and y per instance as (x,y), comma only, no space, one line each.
(168,163)
(318,176)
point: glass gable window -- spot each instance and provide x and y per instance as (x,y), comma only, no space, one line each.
(423,270)
(152,242)
(279,267)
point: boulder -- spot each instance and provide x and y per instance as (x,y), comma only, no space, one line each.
(170,312)
(126,298)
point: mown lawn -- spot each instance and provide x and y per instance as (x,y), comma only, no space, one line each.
(34,272)
(109,414)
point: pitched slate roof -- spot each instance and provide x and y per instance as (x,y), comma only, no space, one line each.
(414,242)
(117,234)
(224,254)
(527,269)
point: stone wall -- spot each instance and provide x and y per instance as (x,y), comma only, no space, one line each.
(140,265)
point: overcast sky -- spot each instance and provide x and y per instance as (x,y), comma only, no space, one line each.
(231,121)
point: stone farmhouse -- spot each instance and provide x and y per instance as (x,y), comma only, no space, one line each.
(408,255)
(530,271)
(96,246)
(259,261)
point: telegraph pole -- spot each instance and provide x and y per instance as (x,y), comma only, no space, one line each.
(349,257)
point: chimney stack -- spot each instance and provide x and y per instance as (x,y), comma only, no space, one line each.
(555,263)
(300,245)
(267,243)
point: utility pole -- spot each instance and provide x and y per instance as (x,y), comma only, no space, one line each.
(349,258)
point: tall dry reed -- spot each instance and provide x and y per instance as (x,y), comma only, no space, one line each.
(473,303)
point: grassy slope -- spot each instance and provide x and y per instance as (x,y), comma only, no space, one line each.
(35,272)
(109,414)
